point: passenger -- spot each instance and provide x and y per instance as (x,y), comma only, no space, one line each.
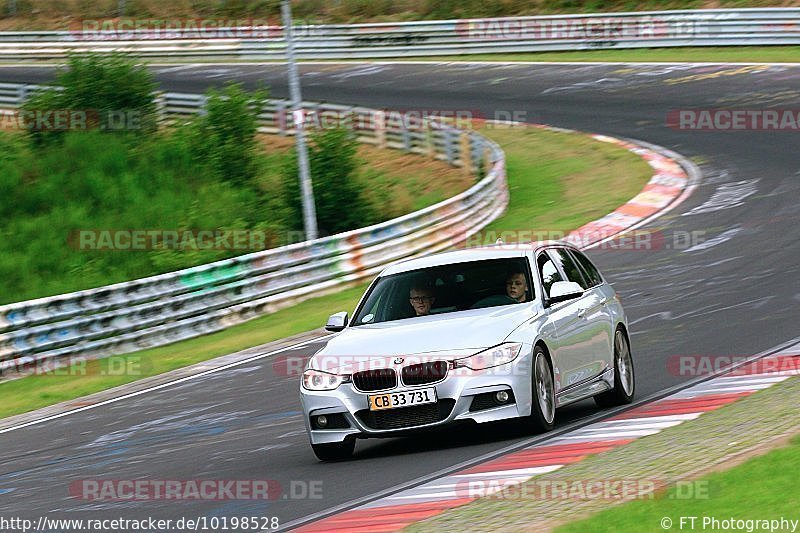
(517,286)
(421,299)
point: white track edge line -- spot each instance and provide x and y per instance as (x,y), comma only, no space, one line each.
(154,388)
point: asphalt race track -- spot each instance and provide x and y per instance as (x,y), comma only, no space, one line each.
(736,291)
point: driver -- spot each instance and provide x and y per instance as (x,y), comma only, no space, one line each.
(421,299)
(517,286)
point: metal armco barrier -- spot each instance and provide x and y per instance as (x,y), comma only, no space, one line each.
(651,29)
(161,309)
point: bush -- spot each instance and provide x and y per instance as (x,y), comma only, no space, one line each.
(340,205)
(225,137)
(114,93)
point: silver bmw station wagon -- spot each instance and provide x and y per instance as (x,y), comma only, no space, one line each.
(475,335)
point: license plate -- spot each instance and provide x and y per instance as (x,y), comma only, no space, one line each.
(394,400)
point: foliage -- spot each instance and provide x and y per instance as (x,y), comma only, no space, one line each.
(333,162)
(91,181)
(113,92)
(225,136)
(209,173)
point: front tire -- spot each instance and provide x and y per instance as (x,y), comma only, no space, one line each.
(543,396)
(336,451)
(624,382)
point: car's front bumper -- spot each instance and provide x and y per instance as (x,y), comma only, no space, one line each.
(461,385)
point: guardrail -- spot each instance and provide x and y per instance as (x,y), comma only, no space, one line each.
(161,309)
(651,29)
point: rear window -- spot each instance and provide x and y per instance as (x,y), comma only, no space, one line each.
(568,266)
(589,270)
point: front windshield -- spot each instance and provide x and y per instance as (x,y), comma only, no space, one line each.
(446,289)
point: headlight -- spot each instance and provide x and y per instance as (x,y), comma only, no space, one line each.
(499,355)
(316,380)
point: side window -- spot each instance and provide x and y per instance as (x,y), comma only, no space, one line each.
(549,272)
(562,258)
(591,272)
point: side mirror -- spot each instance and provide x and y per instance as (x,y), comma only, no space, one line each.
(561,291)
(337,321)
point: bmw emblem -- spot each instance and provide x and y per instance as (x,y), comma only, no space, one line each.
(398,360)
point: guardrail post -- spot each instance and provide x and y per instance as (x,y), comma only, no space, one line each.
(487,160)
(312,112)
(346,119)
(406,138)
(202,108)
(280,117)
(466,154)
(161,107)
(22,95)
(430,140)
(449,149)
(379,123)
(478,151)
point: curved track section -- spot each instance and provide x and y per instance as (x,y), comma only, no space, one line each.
(732,292)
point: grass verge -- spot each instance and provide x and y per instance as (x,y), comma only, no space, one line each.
(695,54)
(544,168)
(553,179)
(710,54)
(738,430)
(772,498)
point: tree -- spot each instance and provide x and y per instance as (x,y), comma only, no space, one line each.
(225,136)
(109,92)
(339,202)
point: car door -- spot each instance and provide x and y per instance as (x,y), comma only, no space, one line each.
(563,321)
(598,306)
(589,329)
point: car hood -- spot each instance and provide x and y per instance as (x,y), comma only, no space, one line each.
(420,339)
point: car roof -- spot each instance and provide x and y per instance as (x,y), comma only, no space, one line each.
(494,251)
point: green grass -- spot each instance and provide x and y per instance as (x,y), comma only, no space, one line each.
(700,54)
(554,179)
(95,181)
(764,487)
(710,54)
(551,177)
